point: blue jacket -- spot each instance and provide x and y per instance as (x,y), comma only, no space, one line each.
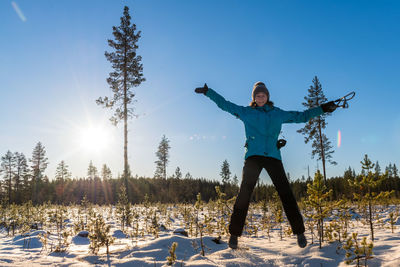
(262,124)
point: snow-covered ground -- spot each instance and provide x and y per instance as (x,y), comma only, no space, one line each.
(148,250)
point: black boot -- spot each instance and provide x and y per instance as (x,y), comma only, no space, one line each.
(301,240)
(233,242)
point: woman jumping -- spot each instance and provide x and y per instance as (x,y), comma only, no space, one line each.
(263,122)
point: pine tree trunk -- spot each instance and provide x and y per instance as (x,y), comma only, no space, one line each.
(370,219)
(125,146)
(126,128)
(319,233)
(37,180)
(33,188)
(202,244)
(322,151)
(125,142)
(322,225)
(17,187)
(165,170)
(9,188)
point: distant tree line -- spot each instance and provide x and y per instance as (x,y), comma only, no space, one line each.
(339,185)
(23,179)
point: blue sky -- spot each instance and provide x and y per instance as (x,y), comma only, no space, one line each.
(53,69)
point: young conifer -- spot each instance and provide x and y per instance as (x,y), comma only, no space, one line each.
(317,198)
(172,256)
(278,212)
(99,234)
(200,227)
(123,208)
(393,217)
(221,203)
(343,209)
(365,191)
(355,250)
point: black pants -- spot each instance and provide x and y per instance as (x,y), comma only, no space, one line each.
(251,171)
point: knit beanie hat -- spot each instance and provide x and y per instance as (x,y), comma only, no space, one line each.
(259,87)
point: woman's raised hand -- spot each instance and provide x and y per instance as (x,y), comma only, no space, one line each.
(329,106)
(202,90)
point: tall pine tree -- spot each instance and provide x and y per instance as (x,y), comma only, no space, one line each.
(178,173)
(235,180)
(106,173)
(128,73)
(313,129)
(395,171)
(39,163)
(389,170)
(163,158)
(21,176)
(92,171)
(225,172)
(62,172)
(7,168)
(377,169)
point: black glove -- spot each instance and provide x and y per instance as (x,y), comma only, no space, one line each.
(280,143)
(202,90)
(329,106)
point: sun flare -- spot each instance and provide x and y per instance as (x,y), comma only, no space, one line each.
(94,139)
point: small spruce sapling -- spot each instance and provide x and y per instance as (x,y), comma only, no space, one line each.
(99,234)
(356,251)
(172,256)
(317,198)
(43,237)
(365,191)
(221,202)
(123,208)
(344,218)
(199,225)
(277,211)
(154,225)
(310,222)
(79,224)
(266,221)
(85,205)
(393,217)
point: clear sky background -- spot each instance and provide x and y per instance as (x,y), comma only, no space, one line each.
(52,69)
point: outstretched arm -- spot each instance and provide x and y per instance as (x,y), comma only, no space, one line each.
(223,104)
(301,116)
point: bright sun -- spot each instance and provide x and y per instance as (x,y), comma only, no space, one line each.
(94,139)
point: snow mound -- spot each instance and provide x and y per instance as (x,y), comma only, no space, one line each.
(119,234)
(156,251)
(80,240)
(29,241)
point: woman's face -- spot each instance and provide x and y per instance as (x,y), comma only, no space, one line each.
(261,99)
